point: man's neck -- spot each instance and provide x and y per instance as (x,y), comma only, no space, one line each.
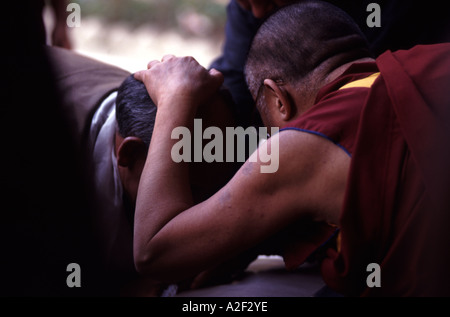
(309,96)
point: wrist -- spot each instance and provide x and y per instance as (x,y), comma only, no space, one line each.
(177,108)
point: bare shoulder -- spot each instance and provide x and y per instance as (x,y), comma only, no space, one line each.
(293,152)
(308,174)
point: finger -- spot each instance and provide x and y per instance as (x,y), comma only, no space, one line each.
(218,76)
(139,75)
(167,57)
(152,63)
(215,73)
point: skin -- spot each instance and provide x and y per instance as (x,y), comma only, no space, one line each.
(175,238)
(131,154)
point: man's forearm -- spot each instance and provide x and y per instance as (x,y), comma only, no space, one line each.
(178,86)
(164,189)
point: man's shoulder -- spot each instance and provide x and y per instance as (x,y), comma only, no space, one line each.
(419,62)
(304,142)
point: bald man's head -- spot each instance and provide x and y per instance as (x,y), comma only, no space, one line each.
(306,40)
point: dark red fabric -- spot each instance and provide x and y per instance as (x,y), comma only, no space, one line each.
(334,116)
(396,210)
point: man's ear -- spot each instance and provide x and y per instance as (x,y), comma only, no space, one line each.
(280,98)
(129,151)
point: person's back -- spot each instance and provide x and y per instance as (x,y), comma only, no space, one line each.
(83,84)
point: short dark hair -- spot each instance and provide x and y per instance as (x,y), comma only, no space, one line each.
(135,110)
(298,38)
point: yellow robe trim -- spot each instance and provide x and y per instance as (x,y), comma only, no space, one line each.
(362,83)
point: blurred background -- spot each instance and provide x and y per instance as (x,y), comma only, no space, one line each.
(130,33)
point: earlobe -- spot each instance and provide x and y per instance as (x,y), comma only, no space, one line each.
(281,99)
(129,150)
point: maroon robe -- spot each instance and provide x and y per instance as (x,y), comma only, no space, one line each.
(396,209)
(334,116)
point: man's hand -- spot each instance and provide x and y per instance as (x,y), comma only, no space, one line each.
(179,81)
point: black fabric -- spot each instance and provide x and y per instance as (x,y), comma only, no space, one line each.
(44,225)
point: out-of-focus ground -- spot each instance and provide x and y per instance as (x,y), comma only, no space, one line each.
(130,33)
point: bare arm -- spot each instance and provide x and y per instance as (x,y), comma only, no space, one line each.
(175,239)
